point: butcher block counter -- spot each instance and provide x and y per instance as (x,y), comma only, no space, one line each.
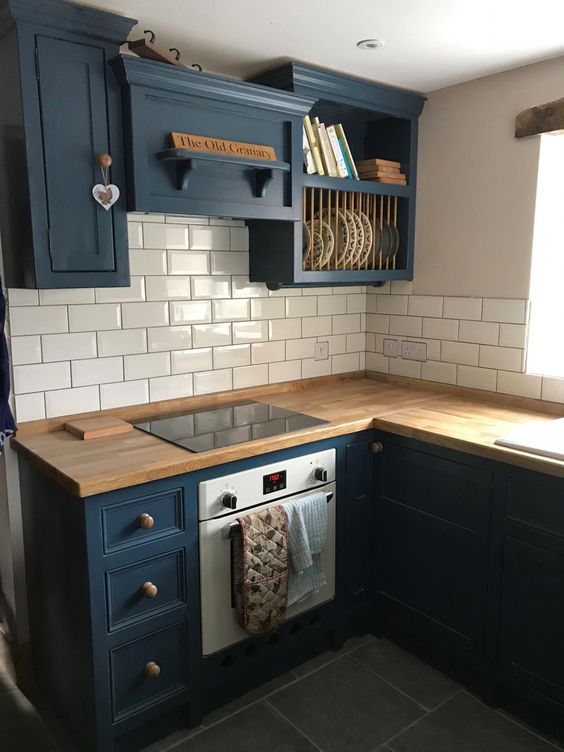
(449,417)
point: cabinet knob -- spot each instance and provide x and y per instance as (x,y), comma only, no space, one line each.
(149,590)
(104,160)
(152,670)
(376,447)
(145,521)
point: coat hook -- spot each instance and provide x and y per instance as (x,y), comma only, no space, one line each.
(197,67)
(174,49)
(152,37)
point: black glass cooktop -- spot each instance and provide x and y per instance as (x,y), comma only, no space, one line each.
(200,430)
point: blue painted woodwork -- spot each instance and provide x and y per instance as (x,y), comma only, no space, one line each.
(379,121)
(162,98)
(61,108)
(459,558)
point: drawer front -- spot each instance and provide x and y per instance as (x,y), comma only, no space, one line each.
(148,671)
(536,505)
(142,520)
(145,589)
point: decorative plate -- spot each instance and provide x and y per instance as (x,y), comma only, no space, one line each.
(317,248)
(343,237)
(368,236)
(356,249)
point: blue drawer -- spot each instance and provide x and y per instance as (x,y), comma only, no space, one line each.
(142,520)
(148,671)
(145,589)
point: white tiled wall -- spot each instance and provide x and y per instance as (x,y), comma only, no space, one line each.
(471,342)
(191,323)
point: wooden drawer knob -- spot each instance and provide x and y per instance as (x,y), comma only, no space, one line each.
(376,447)
(152,670)
(149,590)
(145,521)
(104,160)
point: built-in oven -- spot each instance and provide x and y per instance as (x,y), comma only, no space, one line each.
(221,501)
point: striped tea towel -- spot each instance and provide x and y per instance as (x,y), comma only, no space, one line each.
(307,535)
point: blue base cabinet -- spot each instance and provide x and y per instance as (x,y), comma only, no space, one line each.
(459,559)
(61,109)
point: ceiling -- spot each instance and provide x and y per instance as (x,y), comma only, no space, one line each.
(429,43)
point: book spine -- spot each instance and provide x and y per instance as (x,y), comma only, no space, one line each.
(346,150)
(314,145)
(327,151)
(349,171)
(308,156)
(342,170)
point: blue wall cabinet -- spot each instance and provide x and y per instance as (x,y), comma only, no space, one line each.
(379,121)
(60,109)
(161,99)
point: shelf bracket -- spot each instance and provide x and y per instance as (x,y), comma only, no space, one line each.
(262,180)
(184,169)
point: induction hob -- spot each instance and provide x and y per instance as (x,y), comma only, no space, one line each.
(213,428)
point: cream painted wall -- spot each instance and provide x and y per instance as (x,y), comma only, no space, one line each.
(477,183)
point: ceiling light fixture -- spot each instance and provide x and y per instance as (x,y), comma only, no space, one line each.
(369,44)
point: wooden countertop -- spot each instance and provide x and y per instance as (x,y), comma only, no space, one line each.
(451,419)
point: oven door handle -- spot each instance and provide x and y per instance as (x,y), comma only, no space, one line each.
(228,531)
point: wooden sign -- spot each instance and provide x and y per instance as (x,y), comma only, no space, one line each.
(210,145)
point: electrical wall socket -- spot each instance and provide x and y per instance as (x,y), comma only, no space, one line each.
(321,350)
(414,350)
(391,348)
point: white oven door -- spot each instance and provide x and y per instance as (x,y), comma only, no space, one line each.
(219,620)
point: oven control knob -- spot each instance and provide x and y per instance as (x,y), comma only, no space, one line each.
(229,500)
(320,473)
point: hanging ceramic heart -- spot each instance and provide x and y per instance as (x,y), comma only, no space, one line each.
(106,195)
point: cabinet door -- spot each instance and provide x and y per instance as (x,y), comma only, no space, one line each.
(433,529)
(82,236)
(359,531)
(532,617)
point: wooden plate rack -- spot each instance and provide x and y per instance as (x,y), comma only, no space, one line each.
(344,230)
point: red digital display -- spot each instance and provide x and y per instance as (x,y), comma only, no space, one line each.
(273,482)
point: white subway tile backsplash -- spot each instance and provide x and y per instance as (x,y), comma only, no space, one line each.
(440,328)
(190,312)
(502,358)
(289,370)
(460,352)
(169,338)
(207,382)
(30,406)
(502,310)
(396,304)
(67,297)
(229,262)
(206,288)
(26,350)
(17,297)
(210,238)
(270,352)
(123,394)
(71,401)
(300,348)
(432,370)
(463,308)
(95,318)
(399,287)
(146,366)
(231,356)
(239,238)
(170,387)
(513,335)
(312,368)
(147,262)
(38,320)
(481,332)
(408,326)
(286,328)
(210,335)
(156,235)
(553,389)
(267,308)
(135,234)
(425,305)
(122,342)
(134,293)
(40,377)
(520,384)
(167,288)
(97,371)
(345,363)
(331,304)
(250,376)
(355,303)
(188,262)
(136,315)
(188,361)
(316,326)
(249,331)
(401,367)
(242,288)
(337,343)
(69,346)
(376,322)
(375,361)
(477,378)
(231,310)
(346,324)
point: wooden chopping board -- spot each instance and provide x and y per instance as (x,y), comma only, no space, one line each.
(96,428)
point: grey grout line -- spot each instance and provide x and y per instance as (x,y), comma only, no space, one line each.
(414,723)
(531,730)
(302,733)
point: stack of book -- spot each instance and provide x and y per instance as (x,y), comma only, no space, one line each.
(326,150)
(381,171)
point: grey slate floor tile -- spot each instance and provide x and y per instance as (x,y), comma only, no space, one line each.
(257,728)
(422,682)
(344,707)
(464,724)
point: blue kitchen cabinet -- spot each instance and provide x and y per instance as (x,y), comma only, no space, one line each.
(61,109)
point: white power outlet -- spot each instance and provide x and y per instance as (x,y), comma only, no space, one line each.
(321,350)
(391,348)
(414,350)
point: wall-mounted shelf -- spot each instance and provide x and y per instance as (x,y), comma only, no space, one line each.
(356,186)
(188,161)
